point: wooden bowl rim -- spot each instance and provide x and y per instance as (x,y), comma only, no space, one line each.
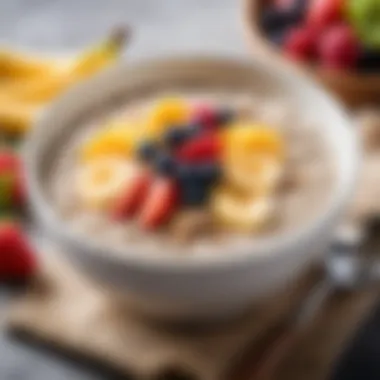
(257,39)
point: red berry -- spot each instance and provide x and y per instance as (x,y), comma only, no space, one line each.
(300,43)
(160,204)
(132,197)
(339,48)
(205,147)
(324,12)
(17,258)
(11,166)
(205,116)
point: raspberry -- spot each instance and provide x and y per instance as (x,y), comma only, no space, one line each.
(300,44)
(339,48)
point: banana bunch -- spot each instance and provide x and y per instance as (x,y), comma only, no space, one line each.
(28,83)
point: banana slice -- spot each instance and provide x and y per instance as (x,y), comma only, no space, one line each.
(117,139)
(167,112)
(241,213)
(253,158)
(249,138)
(254,174)
(99,182)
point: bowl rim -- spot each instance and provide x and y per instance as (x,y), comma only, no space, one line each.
(58,229)
(257,40)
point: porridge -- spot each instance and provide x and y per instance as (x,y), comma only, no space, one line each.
(191,173)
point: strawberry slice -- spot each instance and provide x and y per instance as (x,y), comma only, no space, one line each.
(160,203)
(132,197)
(17,258)
(206,147)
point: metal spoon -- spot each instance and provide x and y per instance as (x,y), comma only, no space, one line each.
(346,270)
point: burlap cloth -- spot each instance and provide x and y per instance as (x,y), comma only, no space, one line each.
(65,310)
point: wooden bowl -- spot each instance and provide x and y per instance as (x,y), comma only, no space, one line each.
(355,89)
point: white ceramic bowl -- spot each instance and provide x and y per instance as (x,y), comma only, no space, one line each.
(178,286)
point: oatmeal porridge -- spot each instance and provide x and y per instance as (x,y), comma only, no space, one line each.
(191,173)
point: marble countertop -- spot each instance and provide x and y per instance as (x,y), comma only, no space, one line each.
(161,26)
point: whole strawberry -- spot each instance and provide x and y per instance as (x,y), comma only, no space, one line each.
(17,258)
(12,190)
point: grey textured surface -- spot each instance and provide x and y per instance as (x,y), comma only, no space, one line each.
(162,26)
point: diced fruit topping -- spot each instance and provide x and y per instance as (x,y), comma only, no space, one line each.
(100,182)
(117,140)
(166,113)
(339,48)
(205,147)
(241,213)
(323,13)
(17,258)
(183,159)
(175,136)
(301,43)
(194,193)
(147,151)
(160,204)
(205,116)
(245,138)
(165,165)
(132,196)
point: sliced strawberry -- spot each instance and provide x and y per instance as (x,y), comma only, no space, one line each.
(17,258)
(206,147)
(132,197)
(160,204)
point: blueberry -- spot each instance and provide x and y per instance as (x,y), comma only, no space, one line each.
(209,172)
(147,151)
(299,8)
(194,193)
(278,20)
(165,165)
(193,129)
(277,37)
(224,116)
(186,172)
(369,61)
(175,136)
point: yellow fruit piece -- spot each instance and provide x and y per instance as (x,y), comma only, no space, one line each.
(16,117)
(251,138)
(102,55)
(20,65)
(253,157)
(165,113)
(256,174)
(246,214)
(99,182)
(50,79)
(119,139)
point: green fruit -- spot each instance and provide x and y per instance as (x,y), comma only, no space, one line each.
(364,16)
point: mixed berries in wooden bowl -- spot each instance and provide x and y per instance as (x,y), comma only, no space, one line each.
(336,40)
